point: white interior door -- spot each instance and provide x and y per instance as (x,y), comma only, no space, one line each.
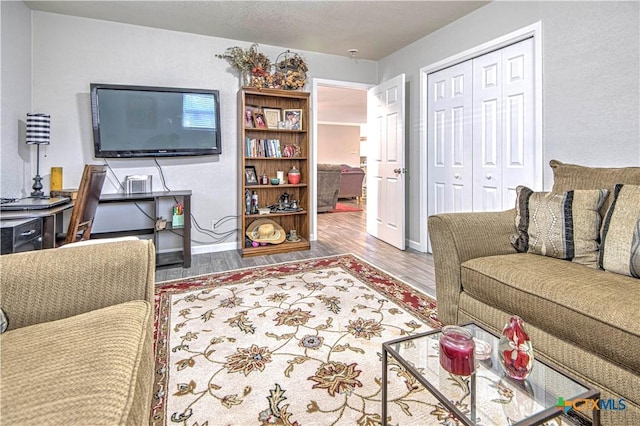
(385,162)
(449,140)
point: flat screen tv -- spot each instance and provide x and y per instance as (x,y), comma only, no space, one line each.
(143,121)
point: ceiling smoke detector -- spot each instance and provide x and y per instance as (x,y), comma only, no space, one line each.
(352,52)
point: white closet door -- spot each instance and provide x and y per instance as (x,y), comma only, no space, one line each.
(518,94)
(487,132)
(449,140)
(503,127)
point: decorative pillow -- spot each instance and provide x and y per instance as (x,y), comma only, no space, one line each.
(4,323)
(561,225)
(568,177)
(620,249)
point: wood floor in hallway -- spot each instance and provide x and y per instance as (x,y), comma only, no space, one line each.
(338,233)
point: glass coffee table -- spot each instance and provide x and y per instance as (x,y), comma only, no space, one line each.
(488,396)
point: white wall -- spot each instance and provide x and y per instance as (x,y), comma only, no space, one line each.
(70,52)
(15,92)
(590,89)
(591,80)
(339,144)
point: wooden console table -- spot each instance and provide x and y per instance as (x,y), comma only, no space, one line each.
(162,259)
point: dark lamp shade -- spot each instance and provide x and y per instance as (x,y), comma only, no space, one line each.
(38,129)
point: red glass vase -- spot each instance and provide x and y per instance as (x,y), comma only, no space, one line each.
(514,349)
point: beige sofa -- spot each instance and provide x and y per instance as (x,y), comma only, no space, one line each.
(584,320)
(79,346)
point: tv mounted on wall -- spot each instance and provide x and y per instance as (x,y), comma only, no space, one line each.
(143,121)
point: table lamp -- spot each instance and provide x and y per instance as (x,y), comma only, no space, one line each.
(38,128)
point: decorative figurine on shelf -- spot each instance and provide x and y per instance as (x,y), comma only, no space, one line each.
(293,236)
(247,202)
(514,349)
(254,202)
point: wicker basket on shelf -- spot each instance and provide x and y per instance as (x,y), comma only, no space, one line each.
(290,71)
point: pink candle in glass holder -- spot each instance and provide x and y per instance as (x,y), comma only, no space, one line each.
(456,350)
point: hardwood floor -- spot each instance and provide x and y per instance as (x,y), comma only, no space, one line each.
(338,233)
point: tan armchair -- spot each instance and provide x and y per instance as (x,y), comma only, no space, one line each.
(79,346)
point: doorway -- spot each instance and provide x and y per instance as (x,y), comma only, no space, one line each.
(339,119)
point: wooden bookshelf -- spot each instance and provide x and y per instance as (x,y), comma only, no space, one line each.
(272,160)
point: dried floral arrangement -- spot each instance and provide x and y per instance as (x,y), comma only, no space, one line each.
(255,68)
(291,71)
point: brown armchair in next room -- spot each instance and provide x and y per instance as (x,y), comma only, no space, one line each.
(328,186)
(351,182)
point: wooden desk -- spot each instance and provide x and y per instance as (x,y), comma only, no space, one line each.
(52,221)
(20,235)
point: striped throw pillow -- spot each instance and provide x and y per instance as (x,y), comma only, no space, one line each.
(561,225)
(620,249)
(4,322)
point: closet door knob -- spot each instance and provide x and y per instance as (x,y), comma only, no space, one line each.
(489,176)
(456,176)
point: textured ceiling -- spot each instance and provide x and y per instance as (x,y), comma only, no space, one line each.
(375,28)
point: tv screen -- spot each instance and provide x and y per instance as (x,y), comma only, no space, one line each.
(141,121)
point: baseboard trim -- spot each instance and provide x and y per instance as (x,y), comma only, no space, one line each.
(415,245)
(213,248)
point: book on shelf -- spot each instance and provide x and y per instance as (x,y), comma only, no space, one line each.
(264,148)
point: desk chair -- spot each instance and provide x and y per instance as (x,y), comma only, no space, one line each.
(86,203)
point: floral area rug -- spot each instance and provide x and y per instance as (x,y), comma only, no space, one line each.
(289,344)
